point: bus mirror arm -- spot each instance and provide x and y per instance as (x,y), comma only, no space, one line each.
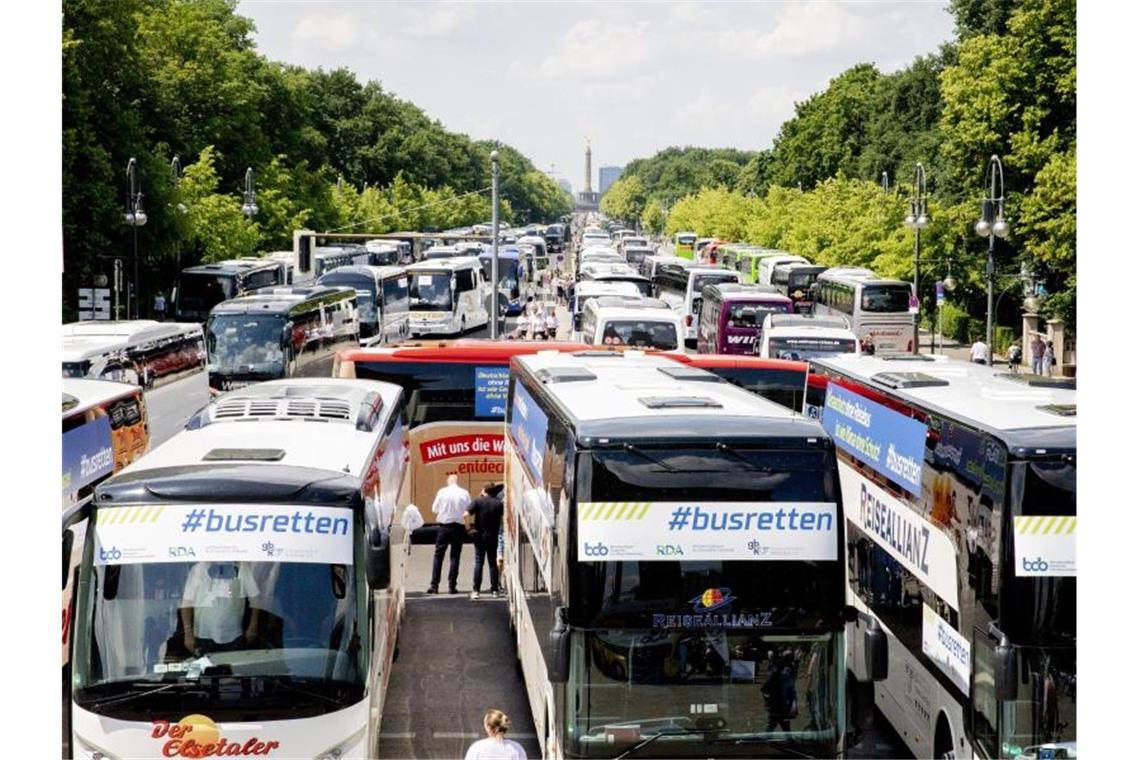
(377,559)
(68,543)
(875,651)
(558,664)
(1005,671)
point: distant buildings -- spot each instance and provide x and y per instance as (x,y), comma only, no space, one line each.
(607,175)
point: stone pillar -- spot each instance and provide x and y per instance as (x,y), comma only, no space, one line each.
(1055,336)
(1030,324)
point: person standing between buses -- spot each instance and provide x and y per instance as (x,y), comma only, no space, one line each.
(450,503)
(159,306)
(496,746)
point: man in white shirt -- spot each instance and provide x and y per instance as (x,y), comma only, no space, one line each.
(979,352)
(213,605)
(450,504)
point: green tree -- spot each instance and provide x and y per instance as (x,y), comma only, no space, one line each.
(653,218)
(217,229)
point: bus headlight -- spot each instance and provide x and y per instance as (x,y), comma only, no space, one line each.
(85,750)
(344,748)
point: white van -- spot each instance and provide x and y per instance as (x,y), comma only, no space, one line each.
(648,323)
(768,264)
(447,296)
(801,337)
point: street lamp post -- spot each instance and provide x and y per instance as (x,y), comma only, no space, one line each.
(495,243)
(249,207)
(992,224)
(917,220)
(886,182)
(135,217)
(175,180)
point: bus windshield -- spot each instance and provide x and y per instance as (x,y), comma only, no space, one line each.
(430,291)
(802,349)
(202,292)
(220,637)
(640,334)
(886,298)
(801,280)
(245,343)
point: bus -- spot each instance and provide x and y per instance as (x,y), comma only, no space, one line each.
(201,288)
(674,566)
(795,281)
(877,309)
(606,272)
(766,265)
(166,360)
(649,323)
(681,288)
(802,337)
(511,295)
(388,253)
(684,244)
(960,490)
(104,430)
(732,316)
(381,299)
(448,296)
(278,333)
(242,586)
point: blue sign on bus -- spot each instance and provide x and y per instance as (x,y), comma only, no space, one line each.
(87,454)
(891,443)
(528,428)
(491,391)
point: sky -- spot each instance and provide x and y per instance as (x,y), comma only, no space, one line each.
(633,78)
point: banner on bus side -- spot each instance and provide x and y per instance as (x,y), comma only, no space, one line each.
(528,427)
(892,443)
(491,391)
(949,649)
(1045,546)
(87,454)
(674,530)
(223,532)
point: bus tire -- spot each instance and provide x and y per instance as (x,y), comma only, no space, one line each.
(943,741)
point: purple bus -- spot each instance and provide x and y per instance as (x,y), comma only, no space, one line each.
(732,316)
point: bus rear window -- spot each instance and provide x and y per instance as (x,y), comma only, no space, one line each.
(886,298)
(752,314)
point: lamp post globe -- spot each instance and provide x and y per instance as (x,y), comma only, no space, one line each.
(1001,228)
(922,222)
(950,282)
(982,228)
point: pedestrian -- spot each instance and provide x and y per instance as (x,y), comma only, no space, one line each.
(1014,356)
(560,288)
(1036,353)
(159,306)
(979,352)
(483,519)
(496,746)
(551,325)
(1047,360)
(450,503)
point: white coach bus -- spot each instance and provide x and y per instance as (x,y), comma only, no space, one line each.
(242,585)
(877,309)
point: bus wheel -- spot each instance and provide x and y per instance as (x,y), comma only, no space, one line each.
(943,742)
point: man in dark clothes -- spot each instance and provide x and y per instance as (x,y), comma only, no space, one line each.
(482,519)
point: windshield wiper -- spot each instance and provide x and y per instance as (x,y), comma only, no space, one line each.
(308,692)
(136,690)
(650,739)
(725,448)
(631,448)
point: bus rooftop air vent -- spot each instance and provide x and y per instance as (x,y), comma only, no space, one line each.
(1061,410)
(680,402)
(596,354)
(244,455)
(1037,381)
(564,375)
(899,380)
(906,357)
(694,374)
(246,408)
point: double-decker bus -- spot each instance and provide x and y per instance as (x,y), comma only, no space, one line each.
(877,309)
(960,491)
(241,585)
(675,573)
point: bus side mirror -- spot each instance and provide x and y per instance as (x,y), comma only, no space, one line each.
(68,543)
(1005,671)
(377,559)
(558,661)
(875,650)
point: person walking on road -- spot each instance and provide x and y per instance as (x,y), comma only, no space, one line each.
(1037,352)
(551,325)
(496,746)
(1047,360)
(159,306)
(450,503)
(978,352)
(1014,356)
(483,518)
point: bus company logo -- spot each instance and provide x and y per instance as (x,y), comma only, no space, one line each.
(199,736)
(179,552)
(1038,565)
(758,548)
(712,599)
(670,550)
(596,550)
(740,339)
(110,555)
(270,549)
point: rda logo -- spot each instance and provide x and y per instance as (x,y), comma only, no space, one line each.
(596,550)
(1038,565)
(670,550)
(110,555)
(181,551)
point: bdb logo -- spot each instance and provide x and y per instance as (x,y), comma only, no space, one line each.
(181,551)
(596,550)
(670,550)
(1038,565)
(110,555)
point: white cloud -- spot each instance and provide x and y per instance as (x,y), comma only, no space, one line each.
(802,29)
(593,49)
(331,33)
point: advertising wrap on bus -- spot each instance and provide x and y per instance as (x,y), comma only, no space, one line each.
(610,531)
(949,649)
(919,545)
(491,391)
(529,432)
(892,443)
(156,533)
(87,454)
